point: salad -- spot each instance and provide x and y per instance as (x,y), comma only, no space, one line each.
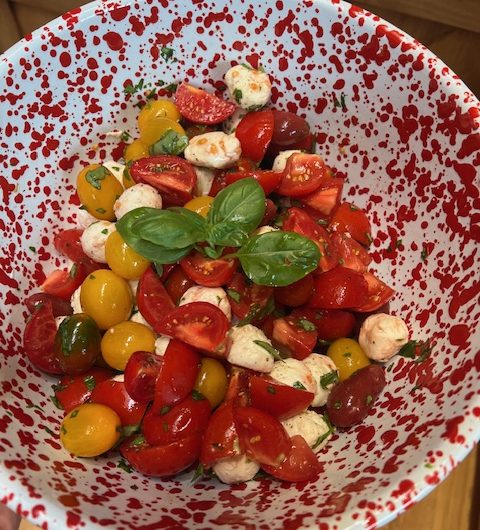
(220,310)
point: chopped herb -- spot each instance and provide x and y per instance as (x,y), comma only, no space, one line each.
(337,405)
(325,343)
(197,396)
(90,382)
(101,210)
(64,431)
(257,313)
(56,402)
(33,249)
(428,465)
(50,432)
(73,271)
(247,66)
(328,379)
(151,93)
(390,367)
(325,435)
(32,406)
(165,409)
(132,89)
(399,243)
(123,465)
(237,94)
(167,54)
(307,325)
(408,349)
(347,354)
(134,487)
(341,261)
(424,254)
(199,472)
(353,208)
(368,399)
(172,87)
(126,174)
(138,440)
(416,387)
(105,231)
(81,207)
(340,103)
(322,222)
(270,349)
(128,430)
(95,176)
(416,350)
(253,108)
(299,385)
(74,414)
(271,389)
(234,295)
(165,426)
(171,143)
(369,237)
(125,136)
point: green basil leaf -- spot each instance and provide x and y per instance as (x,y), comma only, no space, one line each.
(171,143)
(196,220)
(278,258)
(95,176)
(212,253)
(270,349)
(226,234)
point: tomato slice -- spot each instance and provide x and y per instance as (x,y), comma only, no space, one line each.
(339,288)
(63,284)
(208,272)
(38,339)
(171,175)
(295,294)
(161,460)
(261,436)
(303,174)
(300,465)
(350,253)
(267,178)
(141,374)
(327,195)
(177,284)
(238,386)
(331,324)
(199,324)
(294,336)
(348,218)
(67,242)
(379,293)
(200,106)
(187,418)
(60,306)
(220,436)
(276,399)
(153,300)
(176,377)
(247,300)
(255,132)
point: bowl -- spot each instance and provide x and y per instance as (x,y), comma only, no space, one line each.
(389,116)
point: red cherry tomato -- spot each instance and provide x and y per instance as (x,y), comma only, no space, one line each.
(176,377)
(60,306)
(161,460)
(288,128)
(199,106)
(171,175)
(208,272)
(177,284)
(303,174)
(300,465)
(187,418)
(270,212)
(247,299)
(255,132)
(331,324)
(267,178)
(295,294)
(294,336)
(261,436)
(281,401)
(238,387)
(349,218)
(379,293)
(39,337)
(141,374)
(350,253)
(63,284)
(327,195)
(153,300)
(67,242)
(199,324)
(339,288)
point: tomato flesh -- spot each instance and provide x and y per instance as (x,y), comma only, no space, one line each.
(208,272)
(247,300)
(153,300)
(327,195)
(303,174)
(379,293)
(267,178)
(62,283)
(349,218)
(220,436)
(339,288)
(255,132)
(290,335)
(67,242)
(350,253)
(60,307)
(297,293)
(177,283)
(141,374)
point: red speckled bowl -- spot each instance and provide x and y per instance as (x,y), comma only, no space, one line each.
(407,136)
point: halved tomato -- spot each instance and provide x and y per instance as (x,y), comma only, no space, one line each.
(339,288)
(247,300)
(177,284)
(327,195)
(331,324)
(208,272)
(350,253)
(348,218)
(255,132)
(153,300)
(67,242)
(220,436)
(62,283)
(267,178)
(379,293)
(141,374)
(303,175)
(295,294)
(294,336)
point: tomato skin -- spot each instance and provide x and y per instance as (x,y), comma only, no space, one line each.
(171,175)
(327,195)
(177,283)
(208,272)
(349,218)
(212,381)
(261,436)
(153,300)
(289,335)
(339,288)
(60,307)
(350,253)
(295,294)
(255,132)
(379,293)
(276,399)
(62,284)
(161,460)
(300,465)
(270,212)
(331,324)
(199,106)
(219,183)
(187,418)
(141,374)
(267,178)
(350,401)
(302,175)
(288,128)
(251,297)
(67,243)
(237,390)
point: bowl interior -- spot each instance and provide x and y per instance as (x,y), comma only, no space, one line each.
(389,116)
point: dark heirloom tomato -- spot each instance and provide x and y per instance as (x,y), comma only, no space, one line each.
(77,343)
(331,324)
(39,337)
(327,195)
(220,436)
(267,178)
(177,284)
(60,307)
(255,132)
(171,175)
(153,300)
(295,294)
(281,401)
(62,283)
(288,128)
(247,299)
(379,293)
(294,336)
(303,174)
(161,460)
(141,374)
(199,106)
(350,401)
(339,288)
(208,272)
(350,253)
(349,218)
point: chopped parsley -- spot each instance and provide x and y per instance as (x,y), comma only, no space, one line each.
(125,136)
(197,396)
(138,440)
(90,382)
(74,414)
(417,350)
(105,231)
(299,385)
(237,94)
(101,210)
(132,89)
(270,349)
(306,324)
(166,54)
(340,103)
(95,176)
(33,249)
(198,473)
(234,295)
(165,409)
(73,271)
(125,466)
(171,143)
(325,435)
(337,405)
(368,399)
(424,254)
(328,379)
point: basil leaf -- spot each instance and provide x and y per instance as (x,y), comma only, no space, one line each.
(270,349)
(278,258)
(226,234)
(193,218)
(170,143)
(328,379)
(95,176)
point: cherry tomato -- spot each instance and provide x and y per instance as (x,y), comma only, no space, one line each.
(296,337)
(77,344)
(267,178)
(122,259)
(327,195)
(331,324)
(270,212)
(348,357)
(187,418)
(60,307)
(63,284)
(153,117)
(161,460)
(199,106)
(288,128)
(141,374)
(200,205)
(39,337)
(90,430)
(261,436)
(295,294)
(281,401)
(120,341)
(350,253)
(379,293)
(177,284)
(303,174)
(137,149)
(212,381)
(199,324)
(153,300)
(255,132)
(247,299)
(154,130)
(349,218)
(300,465)
(208,272)
(67,243)
(339,288)
(350,401)
(171,175)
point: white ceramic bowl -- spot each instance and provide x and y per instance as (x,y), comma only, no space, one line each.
(389,115)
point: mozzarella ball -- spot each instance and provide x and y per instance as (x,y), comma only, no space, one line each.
(250,88)
(93,240)
(84,218)
(75,301)
(294,373)
(236,469)
(230,124)
(281,159)
(137,196)
(139,318)
(213,149)
(246,353)
(264,230)
(120,378)
(319,366)
(213,295)
(161,344)
(381,336)
(116,169)
(204,182)
(311,426)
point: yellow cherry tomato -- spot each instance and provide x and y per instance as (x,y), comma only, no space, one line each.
(90,430)
(200,205)
(98,190)
(348,357)
(120,341)
(212,381)
(106,297)
(155,110)
(122,259)
(137,149)
(153,130)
